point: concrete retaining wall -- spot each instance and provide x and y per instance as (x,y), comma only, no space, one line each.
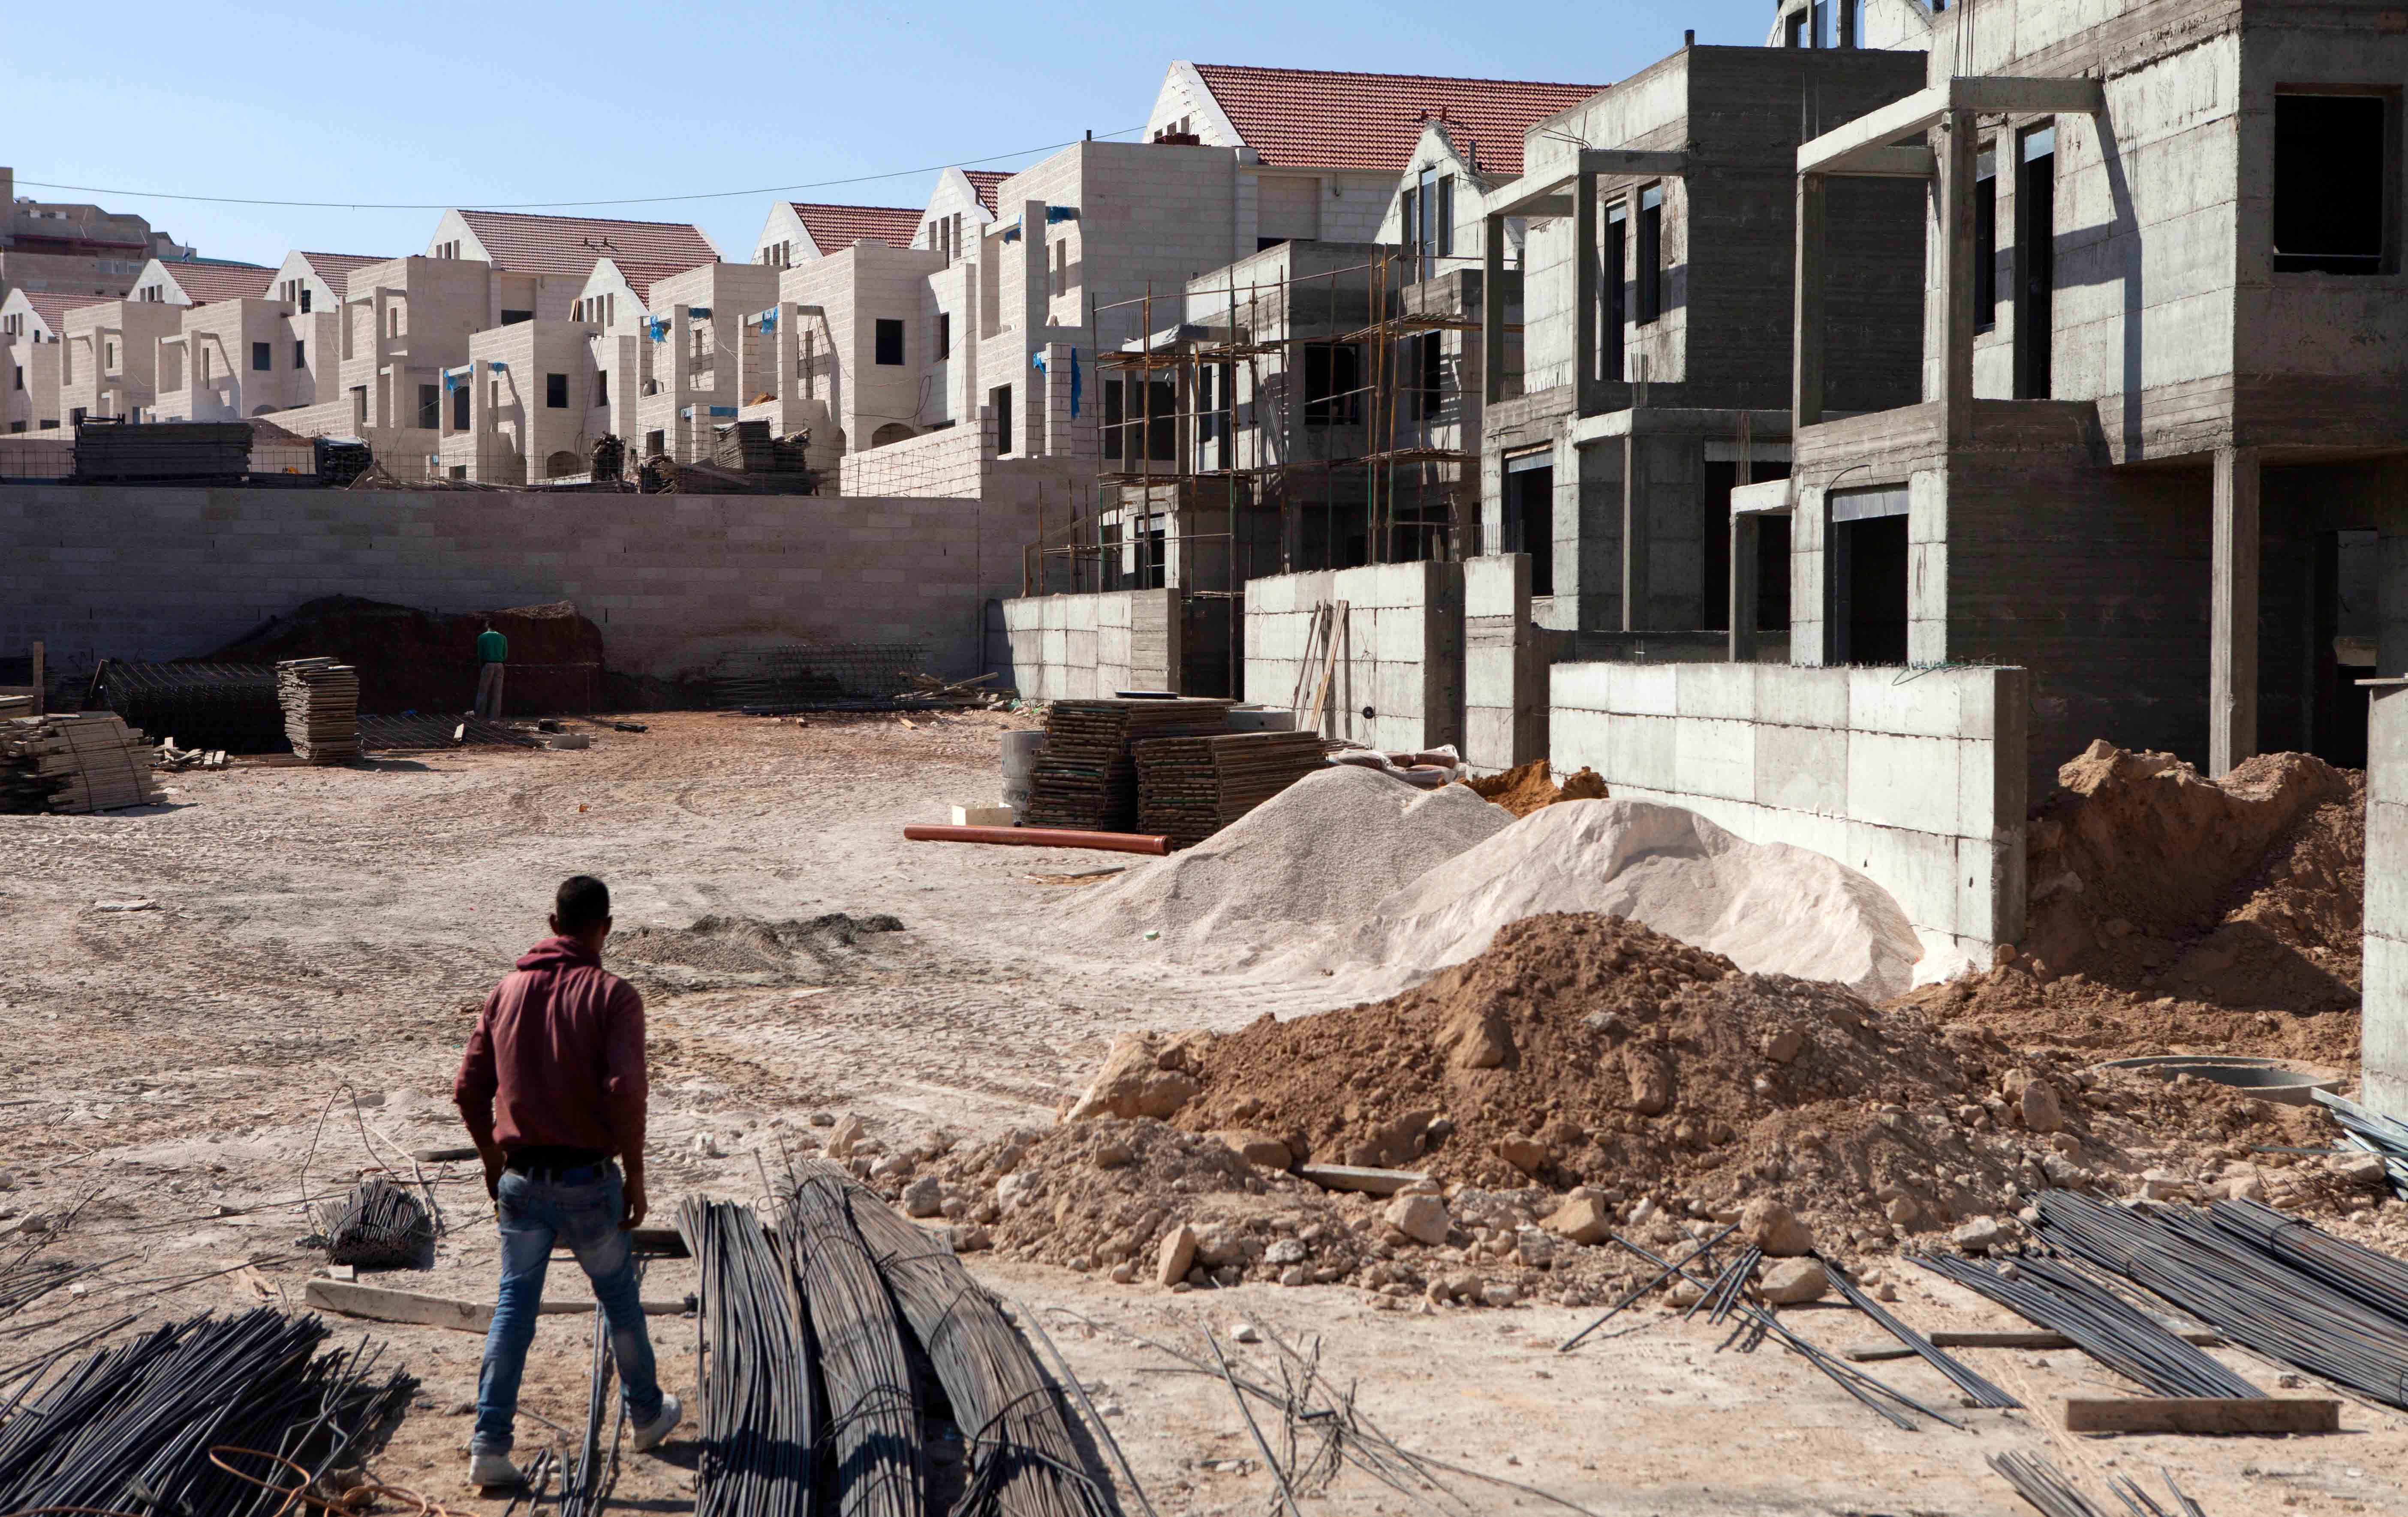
(1505,658)
(2383,1043)
(1399,677)
(1085,647)
(1915,776)
(673,580)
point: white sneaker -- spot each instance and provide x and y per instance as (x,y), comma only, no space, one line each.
(487,1470)
(652,1434)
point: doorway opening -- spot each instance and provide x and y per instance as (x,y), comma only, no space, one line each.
(1870,575)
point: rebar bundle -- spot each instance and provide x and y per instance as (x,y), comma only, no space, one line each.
(211,1415)
(1024,1460)
(2387,1137)
(2101,1324)
(761,1411)
(2229,1277)
(379,1225)
(1978,1389)
(2044,1485)
(873,1417)
(228,705)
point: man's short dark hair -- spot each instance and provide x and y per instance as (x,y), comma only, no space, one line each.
(582,902)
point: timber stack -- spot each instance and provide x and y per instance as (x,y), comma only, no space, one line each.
(1190,788)
(88,762)
(322,708)
(1085,776)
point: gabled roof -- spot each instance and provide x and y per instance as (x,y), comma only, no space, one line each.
(571,245)
(336,268)
(206,279)
(986,182)
(835,228)
(1304,118)
(53,306)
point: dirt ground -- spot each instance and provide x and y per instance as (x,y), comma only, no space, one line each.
(179,1077)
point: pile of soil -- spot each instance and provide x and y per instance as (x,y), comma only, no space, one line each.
(2245,892)
(1589,1050)
(724,950)
(1527,787)
(411,660)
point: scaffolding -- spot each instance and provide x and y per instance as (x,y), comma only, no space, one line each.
(1347,400)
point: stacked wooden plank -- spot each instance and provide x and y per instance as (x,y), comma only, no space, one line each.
(322,708)
(88,762)
(1086,777)
(1190,788)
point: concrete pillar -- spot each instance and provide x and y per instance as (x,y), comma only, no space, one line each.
(1746,529)
(2383,1027)
(1957,147)
(2233,612)
(1637,531)
(1584,282)
(1807,334)
(1492,309)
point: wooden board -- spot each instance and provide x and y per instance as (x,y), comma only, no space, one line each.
(1343,1177)
(376,1303)
(2210,1414)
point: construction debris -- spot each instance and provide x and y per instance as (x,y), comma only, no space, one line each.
(83,762)
(1527,788)
(322,708)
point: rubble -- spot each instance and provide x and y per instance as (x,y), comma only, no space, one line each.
(1527,787)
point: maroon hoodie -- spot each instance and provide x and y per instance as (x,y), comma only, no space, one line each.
(558,1055)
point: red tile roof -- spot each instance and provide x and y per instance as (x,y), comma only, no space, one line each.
(336,268)
(1304,118)
(572,245)
(985,181)
(53,306)
(835,228)
(205,280)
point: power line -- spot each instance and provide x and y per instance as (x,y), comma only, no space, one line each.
(569,205)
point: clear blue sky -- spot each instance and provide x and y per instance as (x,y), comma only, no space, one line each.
(509,100)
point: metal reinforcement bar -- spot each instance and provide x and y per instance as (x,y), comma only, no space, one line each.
(2101,1324)
(1024,1459)
(1978,1389)
(873,1417)
(760,1410)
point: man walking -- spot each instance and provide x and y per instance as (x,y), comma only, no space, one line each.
(552,1087)
(492,652)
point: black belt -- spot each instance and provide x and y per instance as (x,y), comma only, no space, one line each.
(556,1164)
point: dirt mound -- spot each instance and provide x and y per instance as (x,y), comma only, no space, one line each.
(411,660)
(1526,787)
(1589,1050)
(719,950)
(2105,1022)
(2245,892)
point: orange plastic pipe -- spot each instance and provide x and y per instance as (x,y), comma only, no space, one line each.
(1109,843)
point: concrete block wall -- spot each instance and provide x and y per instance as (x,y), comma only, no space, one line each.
(672,580)
(944,463)
(1086,647)
(2384,1041)
(1504,666)
(1398,680)
(1915,776)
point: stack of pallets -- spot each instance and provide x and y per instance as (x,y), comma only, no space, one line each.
(1085,777)
(88,762)
(1190,788)
(322,708)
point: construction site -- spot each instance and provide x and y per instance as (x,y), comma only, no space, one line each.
(1677,797)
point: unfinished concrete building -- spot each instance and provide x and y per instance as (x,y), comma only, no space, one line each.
(68,248)
(2155,451)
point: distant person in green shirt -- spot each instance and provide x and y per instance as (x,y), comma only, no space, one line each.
(492,652)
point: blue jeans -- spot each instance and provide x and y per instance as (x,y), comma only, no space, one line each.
(584,1219)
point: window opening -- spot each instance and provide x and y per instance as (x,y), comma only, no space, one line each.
(2330,183)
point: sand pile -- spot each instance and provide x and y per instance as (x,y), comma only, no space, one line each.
(1771,909)
(1315,854)
(1591,1051)
(1527,787)
(722,951)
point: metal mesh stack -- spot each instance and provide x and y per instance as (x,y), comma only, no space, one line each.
(1086,776)
(214,451)
(322,708)
(810,672)
(1190,788)
(379,1224)
(227,706)
(88,762)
